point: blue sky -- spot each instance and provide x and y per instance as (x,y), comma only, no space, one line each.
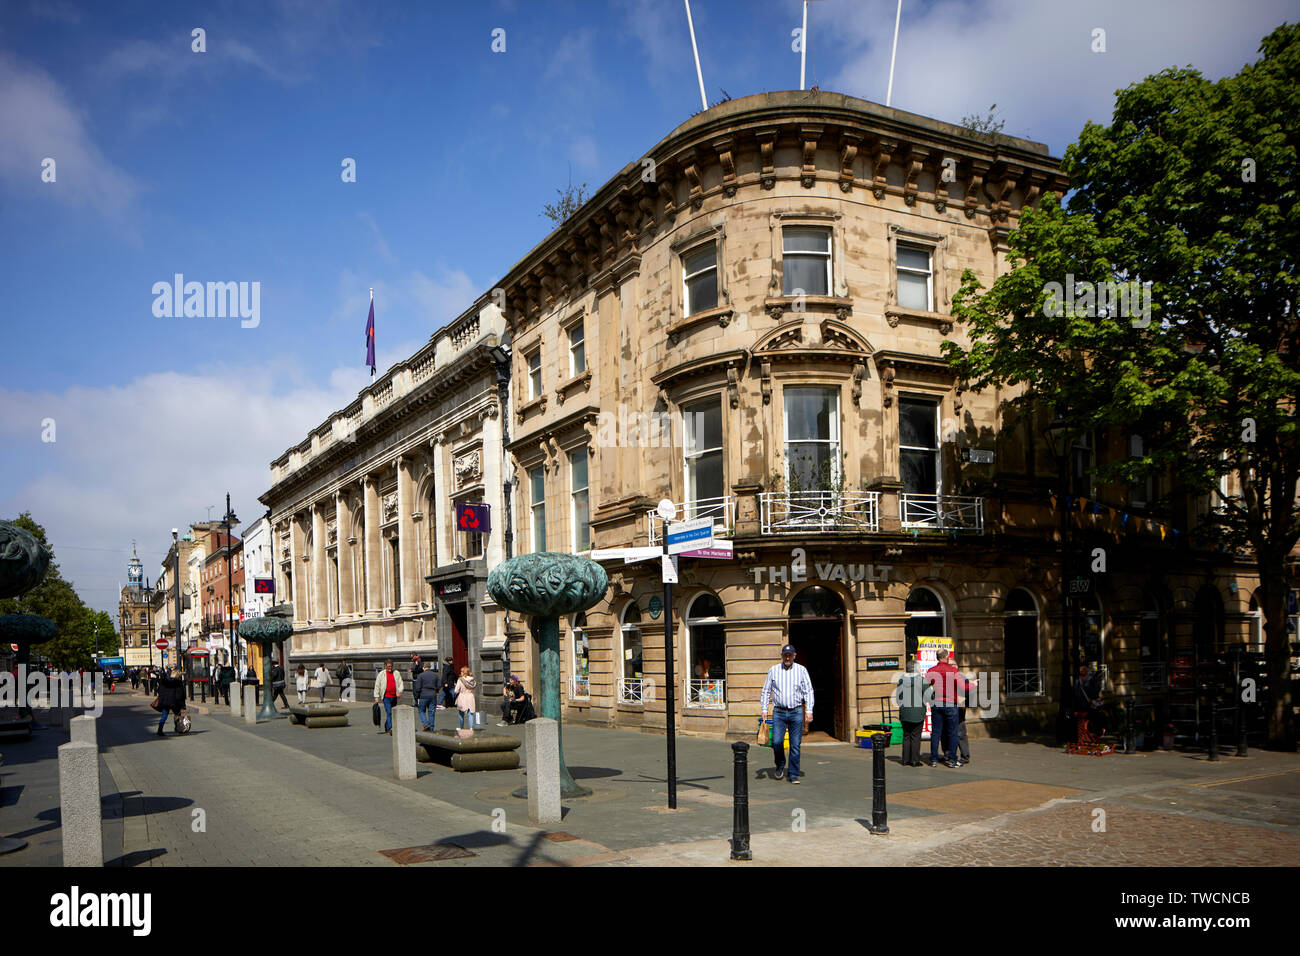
(225,166)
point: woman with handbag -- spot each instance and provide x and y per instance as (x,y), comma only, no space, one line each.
(388,686)
(301,684)
(171,697)
(465,700)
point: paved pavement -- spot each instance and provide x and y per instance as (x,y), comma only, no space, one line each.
(235,794)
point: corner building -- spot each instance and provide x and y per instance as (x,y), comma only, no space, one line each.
(748,321)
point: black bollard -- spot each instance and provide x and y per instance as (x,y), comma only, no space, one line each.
(879,812)
(1214,729)
(740,803)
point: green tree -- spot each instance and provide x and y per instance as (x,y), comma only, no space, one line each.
(570,201)
(1192,189)
(56,599)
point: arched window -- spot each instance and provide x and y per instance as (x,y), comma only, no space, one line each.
(816,602)
(631,684)
(706,651)
(1020,645)
(925,618)
(1256,625)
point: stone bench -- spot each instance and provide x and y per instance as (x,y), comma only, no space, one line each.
(318,715)
(464,754)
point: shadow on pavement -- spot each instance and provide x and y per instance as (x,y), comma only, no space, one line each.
(134,805)
(136,858)
(588,773)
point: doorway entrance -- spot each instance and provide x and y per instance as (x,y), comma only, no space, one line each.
(459,621)
(817,633)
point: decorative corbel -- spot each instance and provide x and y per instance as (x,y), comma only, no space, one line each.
(608,238)
(725,147)
(940,187)
(666,196)
(842,312)
(974,186)
(880,159)
(692,173)
(1032,187)
(626,219)
(887,379)
(859,376)
(767,383)
(646,207)
(945,328)
(775,310)
(733,386)
(957,396)
(917,156)
(766,152)
(848,153)
(809,135)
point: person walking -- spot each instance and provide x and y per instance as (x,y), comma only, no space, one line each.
(225,678)
(427,687)
(910,698)
(343,673)
(465,699)
(789,688)
(322,679)
(963,701)
(278,683)
(949,687)
(417,668)
(171,698)
(301,685)
(388,687)
(448,683)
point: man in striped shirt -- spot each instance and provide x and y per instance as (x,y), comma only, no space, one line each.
(789,688)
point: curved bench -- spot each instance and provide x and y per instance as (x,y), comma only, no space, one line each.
(15,727)
(318,715)
(464,754)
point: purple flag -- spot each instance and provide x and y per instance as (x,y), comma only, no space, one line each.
(370,337)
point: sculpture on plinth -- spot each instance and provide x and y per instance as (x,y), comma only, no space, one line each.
(545,585)
(266,632)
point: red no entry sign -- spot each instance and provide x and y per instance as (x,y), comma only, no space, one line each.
(162,643)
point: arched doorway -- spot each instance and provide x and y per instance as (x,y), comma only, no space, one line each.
(817,633)
(1207,626)
(925,618)
(1020,651)
(706,652)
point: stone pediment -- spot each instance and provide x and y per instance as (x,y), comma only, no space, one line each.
(807,338)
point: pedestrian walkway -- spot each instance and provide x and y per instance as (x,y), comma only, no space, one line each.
(272,793)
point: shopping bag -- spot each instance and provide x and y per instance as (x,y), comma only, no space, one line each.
(155,705)
(764,734)
(374,713)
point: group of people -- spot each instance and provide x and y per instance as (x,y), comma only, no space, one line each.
(947,712)
(432,689)
(320,680)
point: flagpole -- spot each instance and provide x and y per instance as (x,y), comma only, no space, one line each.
(803,45)
(704,103)
(372,309)
(889,95)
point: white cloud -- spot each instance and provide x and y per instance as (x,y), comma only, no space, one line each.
(1033,59)
(133,461)
(39,121)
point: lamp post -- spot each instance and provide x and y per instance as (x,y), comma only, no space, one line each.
(1058,435)
(228,520)
(176,546)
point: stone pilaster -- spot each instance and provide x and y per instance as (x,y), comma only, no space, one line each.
(347,592)
(371,544)
(320,608)
(409,554)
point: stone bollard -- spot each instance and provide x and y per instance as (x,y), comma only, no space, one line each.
(79,808)
(250,703)
(84,731)
(65,718)
(542,751)
(879,812)
(236,700)
(740,803)
(404,742)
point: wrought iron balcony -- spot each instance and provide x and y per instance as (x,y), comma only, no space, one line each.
(1024,682)
(941,512)
(799,512)
(721,510)
(634,690)
(706,693)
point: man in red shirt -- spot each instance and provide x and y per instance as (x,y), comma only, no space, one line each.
(388,685)
(949,689)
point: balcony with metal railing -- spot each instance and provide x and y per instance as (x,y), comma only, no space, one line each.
(634,690)
(721,510)
(941,512)
(801,512)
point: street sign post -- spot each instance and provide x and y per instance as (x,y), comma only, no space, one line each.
(670,569)
(688,536)
(162,644)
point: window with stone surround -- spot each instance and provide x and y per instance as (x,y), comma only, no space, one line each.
(806,260)
(577,350)
(580,501)
(537,504)
(700,279)
(915,277)
(534,360)
(702,452)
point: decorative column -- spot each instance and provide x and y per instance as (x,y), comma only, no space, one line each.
(409,557)
(320,605)
(370,542)
(545,585)
(300,567)
(343,522)
(442,530)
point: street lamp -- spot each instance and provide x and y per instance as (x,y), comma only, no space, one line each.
(176,546)
(1060,439)
(229,520)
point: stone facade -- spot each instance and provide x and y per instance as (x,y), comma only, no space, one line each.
(748,321)
(362,534)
